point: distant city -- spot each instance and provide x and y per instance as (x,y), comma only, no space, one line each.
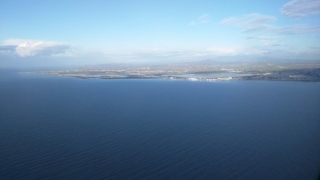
(207,70)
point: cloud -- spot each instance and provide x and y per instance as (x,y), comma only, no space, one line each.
(300,8)
(7,48)
(267,41)
(26,48)
(263,23)
(203,19)
(178,54)
(251,22)
(6,52)
(296,29)
(224,51)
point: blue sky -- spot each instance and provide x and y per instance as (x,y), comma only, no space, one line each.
(78,32)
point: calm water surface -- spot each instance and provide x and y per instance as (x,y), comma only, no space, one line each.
(67,128)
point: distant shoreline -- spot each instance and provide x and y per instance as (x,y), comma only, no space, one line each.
(201,71)
(301,75)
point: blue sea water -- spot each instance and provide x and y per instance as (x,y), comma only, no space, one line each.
(67,128)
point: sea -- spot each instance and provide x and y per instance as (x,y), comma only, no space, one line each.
(68,128)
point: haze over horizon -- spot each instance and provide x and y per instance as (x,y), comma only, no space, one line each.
(66,33)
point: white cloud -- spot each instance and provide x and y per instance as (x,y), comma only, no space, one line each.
(7,48)
(250,21)
(265,40)
(257,22)
(301,8)
(235,51)
(203,19)
(295,29)
(224,51)
(25,48)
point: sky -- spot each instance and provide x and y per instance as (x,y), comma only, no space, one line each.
(37,33)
